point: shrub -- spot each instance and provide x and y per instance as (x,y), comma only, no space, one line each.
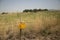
(4,13)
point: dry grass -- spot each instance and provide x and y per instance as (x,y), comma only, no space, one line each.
(39,26)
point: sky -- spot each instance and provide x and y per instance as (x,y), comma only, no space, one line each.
(20,5)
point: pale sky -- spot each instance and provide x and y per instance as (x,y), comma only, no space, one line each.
(19,5)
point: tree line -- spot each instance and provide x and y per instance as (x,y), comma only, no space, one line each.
(34,10)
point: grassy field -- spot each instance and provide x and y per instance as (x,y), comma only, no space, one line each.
(44,25)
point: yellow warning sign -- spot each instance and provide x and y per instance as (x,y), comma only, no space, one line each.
(22,25)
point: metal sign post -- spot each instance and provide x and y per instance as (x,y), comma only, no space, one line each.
(20,33)
(21,27)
